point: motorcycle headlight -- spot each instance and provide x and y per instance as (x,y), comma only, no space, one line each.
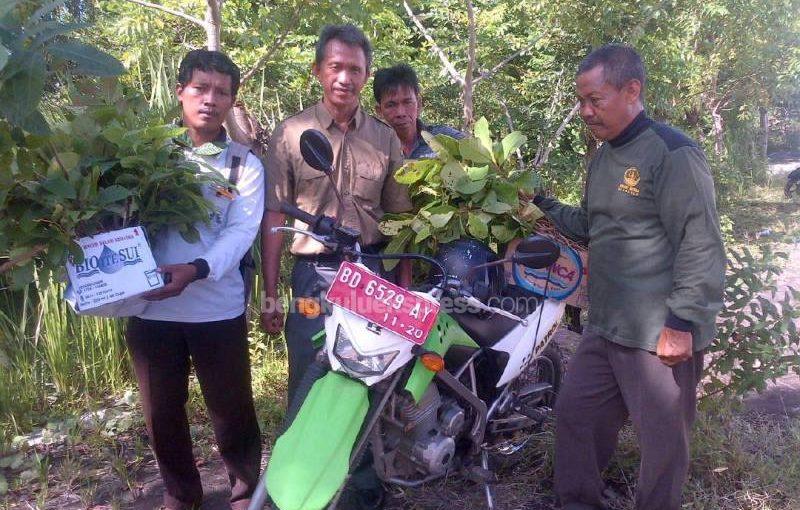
(357,364)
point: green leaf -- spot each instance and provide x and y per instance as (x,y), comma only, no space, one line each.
(503,233)
(139,161)
(511,143)
(478,225)
(397,245)
(60,187)
(467,186)
(22,90)
(440,215)
(449,144)
(112,194)
(482,133)
(68,160)
(452,173)
(48,30)
(415,170)
(21,275)
(87,59)
(453,231)
(492,205)
(392,224)
(444,146)
(476,173)
(422,234)
(506,193)
(472,150)
(3,485)
(527,181)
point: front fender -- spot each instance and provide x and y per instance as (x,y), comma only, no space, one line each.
(444,334)
(310,460)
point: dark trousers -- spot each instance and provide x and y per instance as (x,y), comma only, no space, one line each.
(161,353)
(606,383)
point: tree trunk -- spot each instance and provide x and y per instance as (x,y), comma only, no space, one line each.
(718,130)
(213,24)
(764,114)
(469,113)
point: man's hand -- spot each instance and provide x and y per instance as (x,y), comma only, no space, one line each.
(272,318)
(181,276)
(674,346)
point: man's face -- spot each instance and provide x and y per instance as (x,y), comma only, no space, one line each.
(605,109)
(400,108)
(342,74)
(205,100)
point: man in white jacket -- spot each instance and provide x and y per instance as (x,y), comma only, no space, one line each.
(198,318)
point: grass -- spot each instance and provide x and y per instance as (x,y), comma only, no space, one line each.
(54,361)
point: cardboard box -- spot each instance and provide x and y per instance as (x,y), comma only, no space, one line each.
(117,265)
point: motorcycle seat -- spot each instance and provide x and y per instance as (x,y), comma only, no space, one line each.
(488,328)
(485,328)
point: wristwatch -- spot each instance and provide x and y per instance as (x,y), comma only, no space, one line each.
(202,268)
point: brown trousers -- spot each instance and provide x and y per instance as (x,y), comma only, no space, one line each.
(605,384)
(161,353)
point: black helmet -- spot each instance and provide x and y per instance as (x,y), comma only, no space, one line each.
(461,256)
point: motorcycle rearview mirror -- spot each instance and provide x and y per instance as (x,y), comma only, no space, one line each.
(536,252)
(317,151)
(318,154)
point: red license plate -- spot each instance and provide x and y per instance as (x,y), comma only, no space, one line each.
(383,303)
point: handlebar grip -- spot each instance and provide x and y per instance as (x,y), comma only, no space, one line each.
(295,212)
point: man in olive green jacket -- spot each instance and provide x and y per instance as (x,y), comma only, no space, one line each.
(657,267)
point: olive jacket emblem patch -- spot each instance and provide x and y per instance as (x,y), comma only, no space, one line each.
(630,182)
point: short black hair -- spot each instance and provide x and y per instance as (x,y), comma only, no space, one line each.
(391,78)
(621,64)
(348,34)
(207,61)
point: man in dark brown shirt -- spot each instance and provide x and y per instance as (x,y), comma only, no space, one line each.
(366,154)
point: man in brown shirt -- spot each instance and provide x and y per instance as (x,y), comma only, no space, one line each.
(366,154)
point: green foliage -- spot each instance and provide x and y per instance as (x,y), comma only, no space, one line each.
(470,189)
(106,166)
(102,163)
(34,50)
(757,339)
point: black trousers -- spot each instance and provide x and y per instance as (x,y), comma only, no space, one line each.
(162,352)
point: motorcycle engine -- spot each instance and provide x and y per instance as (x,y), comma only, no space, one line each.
(424,434)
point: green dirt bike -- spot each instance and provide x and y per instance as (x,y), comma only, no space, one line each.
(433,380)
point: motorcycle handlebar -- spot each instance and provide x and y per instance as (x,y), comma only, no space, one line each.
(296,212)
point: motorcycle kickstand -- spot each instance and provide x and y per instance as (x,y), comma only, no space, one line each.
(487,488)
